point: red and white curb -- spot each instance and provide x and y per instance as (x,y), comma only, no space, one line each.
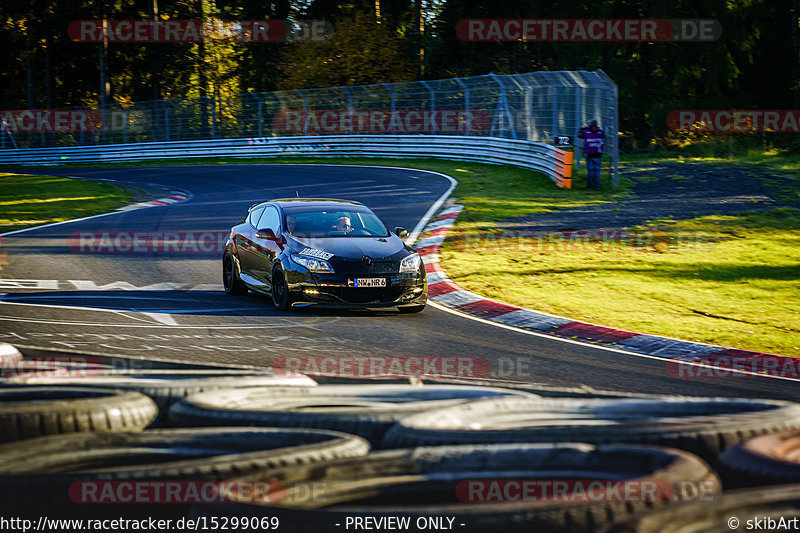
(443,291)
(174,196)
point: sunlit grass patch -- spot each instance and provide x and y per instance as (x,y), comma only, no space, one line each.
(728,280)
(27,200)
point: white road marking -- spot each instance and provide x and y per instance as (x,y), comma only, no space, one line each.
(88,285)
(164,318)
(231,325)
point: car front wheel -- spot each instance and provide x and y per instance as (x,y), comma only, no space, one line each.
(230,277)
(280,291)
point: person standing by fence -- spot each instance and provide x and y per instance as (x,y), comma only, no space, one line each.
(592,137)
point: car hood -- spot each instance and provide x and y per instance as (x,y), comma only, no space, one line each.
(389,248)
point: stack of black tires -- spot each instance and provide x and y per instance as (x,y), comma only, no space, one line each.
(245,447)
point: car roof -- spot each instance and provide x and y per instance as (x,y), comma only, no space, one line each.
(311,202)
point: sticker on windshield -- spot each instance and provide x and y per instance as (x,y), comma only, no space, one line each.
(319,254)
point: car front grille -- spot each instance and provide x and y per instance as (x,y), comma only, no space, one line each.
(359,269)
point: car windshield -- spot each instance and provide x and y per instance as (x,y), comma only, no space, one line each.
(334,223)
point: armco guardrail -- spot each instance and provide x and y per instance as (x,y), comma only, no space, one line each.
(556,163)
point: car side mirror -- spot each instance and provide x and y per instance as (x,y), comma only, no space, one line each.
(266,233)
(401,232)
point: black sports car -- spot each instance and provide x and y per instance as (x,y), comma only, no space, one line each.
(323,252)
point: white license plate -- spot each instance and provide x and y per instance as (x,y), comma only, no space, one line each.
(369,282)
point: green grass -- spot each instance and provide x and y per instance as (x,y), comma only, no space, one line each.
(728,280)
(27,200)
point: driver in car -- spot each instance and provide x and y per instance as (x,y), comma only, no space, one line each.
(343,225)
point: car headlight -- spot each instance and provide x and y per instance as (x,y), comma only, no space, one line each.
(312,264)
(410,263)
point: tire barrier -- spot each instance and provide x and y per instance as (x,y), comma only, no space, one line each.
(28,412)
(704,426)
(470,453)
(165,387)
(770,459)
(482,488)
(765,508)
(72,472)
(365,410)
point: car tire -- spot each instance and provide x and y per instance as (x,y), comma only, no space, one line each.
(703,426)
(364,410)
(731,511)
(770,459)
(166,388)
(437,481)
(28,412)
(280,291)
(58,473)
(230,277)
(411,309)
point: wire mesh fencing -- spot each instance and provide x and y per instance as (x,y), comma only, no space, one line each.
(535,106)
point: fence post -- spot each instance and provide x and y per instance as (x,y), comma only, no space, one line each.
(165,105)
(554,107)
(305,111)
(523,91)
(392,117)
(614,132)
(529,112)
(502,110)
(579,113)
(467,128)
(432,106)
(81,137)
(213,118)
(349,107)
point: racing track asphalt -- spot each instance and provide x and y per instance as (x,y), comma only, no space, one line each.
(172,306)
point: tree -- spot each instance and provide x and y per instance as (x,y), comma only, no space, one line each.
(358,52)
